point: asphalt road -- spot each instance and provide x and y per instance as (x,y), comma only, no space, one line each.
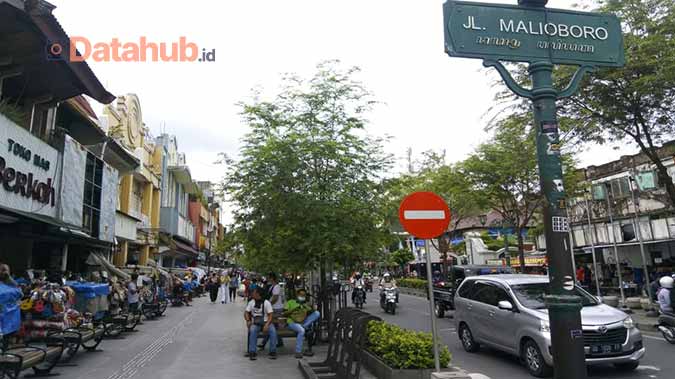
(413,313)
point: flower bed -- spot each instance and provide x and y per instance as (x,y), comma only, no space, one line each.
(403,349)
(420,284)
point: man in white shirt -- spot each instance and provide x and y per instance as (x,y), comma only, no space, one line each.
(258,315)
(277,299)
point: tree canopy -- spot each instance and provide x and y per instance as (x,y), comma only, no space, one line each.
(307,187)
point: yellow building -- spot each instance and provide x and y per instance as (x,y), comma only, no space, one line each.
(138,210)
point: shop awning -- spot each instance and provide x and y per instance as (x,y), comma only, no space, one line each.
(185,249)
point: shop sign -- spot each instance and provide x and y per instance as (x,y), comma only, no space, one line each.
(27,171)
(521,34)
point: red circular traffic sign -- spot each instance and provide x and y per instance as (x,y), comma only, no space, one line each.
(424,215)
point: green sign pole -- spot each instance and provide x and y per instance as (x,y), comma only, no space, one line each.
(532,33)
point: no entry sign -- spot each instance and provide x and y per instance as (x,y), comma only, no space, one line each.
(424,215)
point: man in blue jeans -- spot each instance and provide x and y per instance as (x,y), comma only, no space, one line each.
(300,317)
(258,316)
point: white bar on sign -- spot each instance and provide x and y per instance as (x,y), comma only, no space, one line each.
(424,215)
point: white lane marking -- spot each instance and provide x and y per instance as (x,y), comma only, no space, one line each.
(424,215)
(653,368)
(447,329)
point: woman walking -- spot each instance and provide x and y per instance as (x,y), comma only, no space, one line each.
(224,282)
(234,285)
(213,286)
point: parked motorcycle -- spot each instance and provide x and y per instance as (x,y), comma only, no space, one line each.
(388,300)
(359,296)
(667,327)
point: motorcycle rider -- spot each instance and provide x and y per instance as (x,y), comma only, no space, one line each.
(357,281)
(665,295)
(387,282)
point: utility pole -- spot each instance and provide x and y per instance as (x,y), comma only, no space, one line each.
(638,235)
(608,192)
(470,29)
(591,231)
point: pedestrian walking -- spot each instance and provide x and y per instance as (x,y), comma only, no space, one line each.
(234,285)
(132,294)
(213,285)
(224,291)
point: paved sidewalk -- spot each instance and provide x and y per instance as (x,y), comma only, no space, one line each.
(203,341)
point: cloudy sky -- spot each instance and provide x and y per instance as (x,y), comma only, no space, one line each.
(431,101)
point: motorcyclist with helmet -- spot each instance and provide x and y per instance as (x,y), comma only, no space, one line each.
(357,280)
(666,295)
(388,281)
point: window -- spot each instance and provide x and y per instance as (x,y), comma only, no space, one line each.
(465,289)
(599,192)
(646,180)
(620,188)
(91,209)
(532,295)
(489,294)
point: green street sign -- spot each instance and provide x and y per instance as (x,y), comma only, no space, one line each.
(527,34)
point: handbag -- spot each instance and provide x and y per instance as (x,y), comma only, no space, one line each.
(259,321)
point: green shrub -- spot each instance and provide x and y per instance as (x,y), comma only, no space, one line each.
(403,349)
(412,283)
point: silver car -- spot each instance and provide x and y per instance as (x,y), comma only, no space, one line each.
(507,312)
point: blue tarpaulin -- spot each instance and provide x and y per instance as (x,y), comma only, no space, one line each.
(89,290)
(10,314)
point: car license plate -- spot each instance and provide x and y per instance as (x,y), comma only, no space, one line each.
(605,349)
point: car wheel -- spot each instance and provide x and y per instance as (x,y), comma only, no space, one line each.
(439,311)
(534,360)
(468,342)
(627,366)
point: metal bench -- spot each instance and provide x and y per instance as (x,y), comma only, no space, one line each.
(84,337)
(311,335)
(42,359)
(347,339)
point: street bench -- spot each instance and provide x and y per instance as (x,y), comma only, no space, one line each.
(84,337)
(311,334)
(42,359)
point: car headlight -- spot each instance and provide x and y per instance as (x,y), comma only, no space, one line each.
(628,323)
(544,326)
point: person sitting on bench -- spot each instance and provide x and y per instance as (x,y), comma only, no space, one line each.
(300,317)
(259,315)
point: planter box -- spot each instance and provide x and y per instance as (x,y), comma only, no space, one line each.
(381,371)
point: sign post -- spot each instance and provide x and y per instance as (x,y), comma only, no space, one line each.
(426,215)
(542,37)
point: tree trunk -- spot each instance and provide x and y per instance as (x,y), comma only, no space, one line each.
(443,249)
(521,250)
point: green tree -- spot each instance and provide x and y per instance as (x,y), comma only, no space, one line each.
(401,258)
(307,187)
(634,103)
(504,171)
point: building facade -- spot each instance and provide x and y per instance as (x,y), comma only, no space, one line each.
(58,179)
(177,230)
(139,191)
(628,190)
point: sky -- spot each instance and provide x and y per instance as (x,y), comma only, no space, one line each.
(429,100)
